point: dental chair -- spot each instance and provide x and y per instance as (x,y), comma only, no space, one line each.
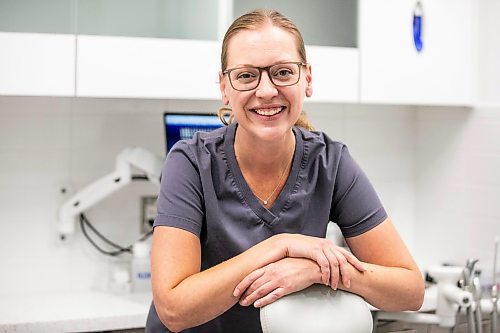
(317,309)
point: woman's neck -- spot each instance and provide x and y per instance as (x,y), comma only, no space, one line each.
(260,157)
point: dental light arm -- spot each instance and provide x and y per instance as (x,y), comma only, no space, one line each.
(102,188)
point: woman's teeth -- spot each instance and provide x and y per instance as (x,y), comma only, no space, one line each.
(268,112)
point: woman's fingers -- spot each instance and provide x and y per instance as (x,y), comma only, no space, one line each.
(248,281)
(334,267)
(269,298)
(258,293)
(343,268)
(324,266)
(280,278)
(353,260)
(338,260)
(334,261)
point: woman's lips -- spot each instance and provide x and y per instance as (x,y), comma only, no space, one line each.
(268,111)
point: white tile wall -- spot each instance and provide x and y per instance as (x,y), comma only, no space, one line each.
(458,186)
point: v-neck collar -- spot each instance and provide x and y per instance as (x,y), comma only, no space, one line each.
(268,215)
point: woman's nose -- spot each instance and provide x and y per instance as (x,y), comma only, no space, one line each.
(266,88)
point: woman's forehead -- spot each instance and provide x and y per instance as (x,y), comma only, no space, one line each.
(262,46)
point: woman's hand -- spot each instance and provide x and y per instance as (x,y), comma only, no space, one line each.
(269,283)
(333,260)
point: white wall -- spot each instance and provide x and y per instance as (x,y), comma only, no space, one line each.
(458,185)
(458,163)
(382,140)
(47,143)
(489,53)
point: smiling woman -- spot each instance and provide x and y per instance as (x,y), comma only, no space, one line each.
(243,210)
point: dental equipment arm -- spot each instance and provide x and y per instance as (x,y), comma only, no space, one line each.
(128,159)
(449,299)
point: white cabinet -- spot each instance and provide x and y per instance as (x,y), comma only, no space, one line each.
(377,63)
(37,64)
(393,72)
(147,68)
(158,48)
(335,74)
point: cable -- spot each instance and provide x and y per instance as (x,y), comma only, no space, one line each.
(84,231)
(140,177)
(86,221)
(120,250)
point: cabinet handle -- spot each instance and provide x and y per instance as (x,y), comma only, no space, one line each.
(418,14)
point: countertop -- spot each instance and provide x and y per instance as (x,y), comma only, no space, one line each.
(75,312)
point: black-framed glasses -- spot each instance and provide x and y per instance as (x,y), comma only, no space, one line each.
(248,77)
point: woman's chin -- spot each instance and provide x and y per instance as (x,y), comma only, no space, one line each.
(273,133)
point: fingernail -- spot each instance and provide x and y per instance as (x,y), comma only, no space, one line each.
(348,285)
(256,304)
(244,302)
(334,287)
(236,292)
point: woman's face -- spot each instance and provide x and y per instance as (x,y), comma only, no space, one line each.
(264,47)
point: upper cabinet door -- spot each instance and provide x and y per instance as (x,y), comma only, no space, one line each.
(321,22)
(37,48)
(37,64)
(394,72)
(147,68)
(179,19)
(148,49)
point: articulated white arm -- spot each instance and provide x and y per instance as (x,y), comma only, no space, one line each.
(139,158)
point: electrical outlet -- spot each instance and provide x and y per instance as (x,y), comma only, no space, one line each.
(148,208)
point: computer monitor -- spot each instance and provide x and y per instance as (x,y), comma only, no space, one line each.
(182,126)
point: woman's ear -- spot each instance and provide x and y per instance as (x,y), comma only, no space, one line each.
(222,87)
(309,89)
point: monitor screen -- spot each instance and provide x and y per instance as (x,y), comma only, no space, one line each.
(182,126)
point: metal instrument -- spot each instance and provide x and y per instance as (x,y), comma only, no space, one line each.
(494,291)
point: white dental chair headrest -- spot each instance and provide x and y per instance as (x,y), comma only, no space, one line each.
(317,309)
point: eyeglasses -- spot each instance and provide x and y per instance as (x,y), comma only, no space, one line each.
(248,77)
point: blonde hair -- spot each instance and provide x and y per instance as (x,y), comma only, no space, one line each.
(252,21)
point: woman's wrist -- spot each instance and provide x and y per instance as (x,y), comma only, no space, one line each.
(315,272)
(278,244)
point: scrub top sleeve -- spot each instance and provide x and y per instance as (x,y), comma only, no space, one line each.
(180,201)
(356,207)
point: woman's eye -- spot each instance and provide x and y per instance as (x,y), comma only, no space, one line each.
(245,76)
(283,72)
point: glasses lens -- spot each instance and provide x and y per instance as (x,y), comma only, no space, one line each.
(245,78)
(285,74)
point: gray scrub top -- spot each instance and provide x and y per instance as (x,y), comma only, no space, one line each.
(204,192)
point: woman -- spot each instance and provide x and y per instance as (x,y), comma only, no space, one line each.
(243,210)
